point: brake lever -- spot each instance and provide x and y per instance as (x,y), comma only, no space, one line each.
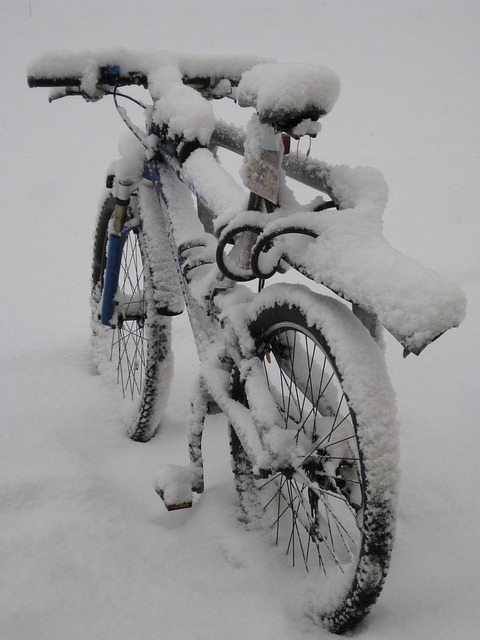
(63,92)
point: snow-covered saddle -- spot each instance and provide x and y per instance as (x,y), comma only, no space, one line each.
(286,95)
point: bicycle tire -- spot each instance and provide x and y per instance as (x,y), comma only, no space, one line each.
(137,351)
(336,508)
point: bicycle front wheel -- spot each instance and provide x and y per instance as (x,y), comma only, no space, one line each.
(333,513)
(136,349)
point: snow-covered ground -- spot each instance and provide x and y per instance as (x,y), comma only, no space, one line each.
(86,547)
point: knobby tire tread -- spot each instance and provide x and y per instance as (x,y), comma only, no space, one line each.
(158,359)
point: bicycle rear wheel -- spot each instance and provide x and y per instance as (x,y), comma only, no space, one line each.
(333,514)
(136,350)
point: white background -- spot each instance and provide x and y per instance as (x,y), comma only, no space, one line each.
(86,547)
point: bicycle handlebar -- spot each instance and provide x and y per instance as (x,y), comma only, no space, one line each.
(109,76)
(294,119)
(34,82)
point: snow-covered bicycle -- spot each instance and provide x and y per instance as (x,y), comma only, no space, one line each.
(300,376)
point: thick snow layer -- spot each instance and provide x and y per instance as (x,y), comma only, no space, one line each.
(66,63)
(277,89)
(182,108)
(87,549)
(178,106)
(352,257)
(274,89)
(218,188)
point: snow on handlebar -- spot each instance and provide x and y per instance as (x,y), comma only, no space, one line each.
(287,96)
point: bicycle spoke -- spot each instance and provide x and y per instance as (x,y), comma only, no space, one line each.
(128,339)
(311,516)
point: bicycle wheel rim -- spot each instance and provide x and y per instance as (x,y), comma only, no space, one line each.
(317,515)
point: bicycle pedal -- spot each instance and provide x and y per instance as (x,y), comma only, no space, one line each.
(175,486)
(176,506)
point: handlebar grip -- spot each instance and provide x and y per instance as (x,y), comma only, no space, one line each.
(34,81)
(107,76)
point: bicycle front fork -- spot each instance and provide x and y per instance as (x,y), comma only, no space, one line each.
(118,233)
